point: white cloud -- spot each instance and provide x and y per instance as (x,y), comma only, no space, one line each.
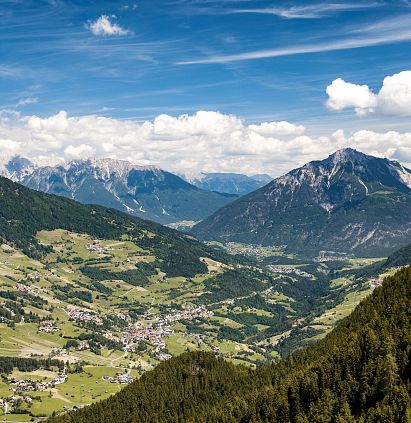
(386,31)
(394,97)
(82,150)
(277,128)
(205,141)
(104,26)
(26,101)
(312,11)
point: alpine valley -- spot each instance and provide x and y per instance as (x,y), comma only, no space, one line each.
(205,211)
(237,328)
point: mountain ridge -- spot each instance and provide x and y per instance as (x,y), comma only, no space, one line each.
(346,202)
(144,191)
(229,182)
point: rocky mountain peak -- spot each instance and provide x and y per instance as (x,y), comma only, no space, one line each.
(16,167)
(347,155)
(349,201)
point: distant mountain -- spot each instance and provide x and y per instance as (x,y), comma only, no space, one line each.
(230,183)
(349,202)
(16,168)
(147,192)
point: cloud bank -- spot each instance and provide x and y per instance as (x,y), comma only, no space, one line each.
(394,97)
(205,141)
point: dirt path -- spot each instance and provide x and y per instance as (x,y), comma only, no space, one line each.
(117,359)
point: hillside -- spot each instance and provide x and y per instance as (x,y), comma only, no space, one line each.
(349,202)
(147,192)
(359,372)
(24,212)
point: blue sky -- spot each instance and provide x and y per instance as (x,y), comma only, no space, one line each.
(262,61)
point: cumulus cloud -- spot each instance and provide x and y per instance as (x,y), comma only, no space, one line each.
(394,97)
(277,128)
(104,26)
(205,141)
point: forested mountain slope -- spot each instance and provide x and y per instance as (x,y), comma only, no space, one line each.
(360,372)
(24,212)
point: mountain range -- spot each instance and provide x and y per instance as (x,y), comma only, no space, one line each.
(349,202)
(230,183)
(147,192)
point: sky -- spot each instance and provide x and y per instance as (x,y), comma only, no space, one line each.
(203,85)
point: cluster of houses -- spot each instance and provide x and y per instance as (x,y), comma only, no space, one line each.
(189,313)
(68,409)
(48,326)
(30,385)
(162,356)
(375,282)
(269,292)
(289,270)
(83,316)
(122,378)
(97,248)
(25,288)
(325,256)
(34,276)
(7,404)
(154,335)
(249,250)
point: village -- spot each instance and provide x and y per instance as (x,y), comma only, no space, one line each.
(79,315)
(21,387)
(289,270)
(155,330)
(325,256)
(249,249)
(29,385)
(149,328)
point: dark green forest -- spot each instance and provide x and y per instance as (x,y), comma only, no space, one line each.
(24,212)
(360,372)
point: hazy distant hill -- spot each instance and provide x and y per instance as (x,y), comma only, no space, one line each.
(348,202)
(230,183)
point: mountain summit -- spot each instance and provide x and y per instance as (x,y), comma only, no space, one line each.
(348,202)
